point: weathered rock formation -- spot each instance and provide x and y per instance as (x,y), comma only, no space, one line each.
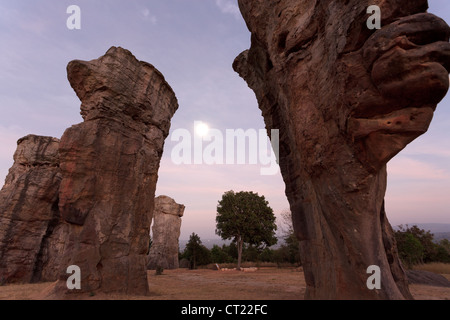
(88,199)
(166,233)
(109,166)
(427,278)
(29,211)
(346,100)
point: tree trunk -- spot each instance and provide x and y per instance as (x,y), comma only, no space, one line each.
(240,244)
(194,263)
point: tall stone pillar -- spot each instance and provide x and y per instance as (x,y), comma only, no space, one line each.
(166,233)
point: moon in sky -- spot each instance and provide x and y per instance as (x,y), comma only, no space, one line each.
(201,129)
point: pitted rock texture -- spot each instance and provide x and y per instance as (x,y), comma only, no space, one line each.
(346,100)
(166,233)
(109,166)
(29,212)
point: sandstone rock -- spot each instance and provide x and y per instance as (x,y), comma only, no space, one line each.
(346,100)
(166,233)
(85,200)
(29,211)
(109,165)
(53,251)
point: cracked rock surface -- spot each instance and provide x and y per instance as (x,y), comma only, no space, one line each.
(29,210)
(109,167)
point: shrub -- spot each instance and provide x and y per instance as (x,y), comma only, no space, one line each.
(159,270)
(410,250)
(417,246)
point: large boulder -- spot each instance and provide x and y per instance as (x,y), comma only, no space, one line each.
(166,233)
(346,100)
(29,211)
(427,278)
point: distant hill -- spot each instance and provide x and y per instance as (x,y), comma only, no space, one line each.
(433,227)
(438,236)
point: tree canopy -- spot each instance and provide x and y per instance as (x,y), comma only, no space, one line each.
(245,217)
(195,252)
(416,246)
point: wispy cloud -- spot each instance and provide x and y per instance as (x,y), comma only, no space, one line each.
(149,17)
(229,7)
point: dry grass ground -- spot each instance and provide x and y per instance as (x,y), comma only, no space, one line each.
(204,284)
(436,267)
(264,284)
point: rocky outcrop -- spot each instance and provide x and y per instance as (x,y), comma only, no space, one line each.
(29,211)
(87,199)
(109,167)
(346,100)
(166,233)
(428,278)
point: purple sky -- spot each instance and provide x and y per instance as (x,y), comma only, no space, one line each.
(193,43)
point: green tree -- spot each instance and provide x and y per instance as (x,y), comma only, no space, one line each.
(231,250)
(195,252)
(416,245)
(444,243)
(245,217)
(219,255)
(426,240)
(410,249)
(430,249)
(281,255)
(443,251)
(267,255)
(250,253)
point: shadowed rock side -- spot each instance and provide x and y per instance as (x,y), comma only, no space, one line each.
(346,100)
(109,166)
(166,233)
(29,211)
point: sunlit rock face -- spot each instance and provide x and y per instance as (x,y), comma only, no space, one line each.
(346,100)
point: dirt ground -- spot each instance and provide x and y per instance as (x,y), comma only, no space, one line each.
(264,284)
(202,284)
